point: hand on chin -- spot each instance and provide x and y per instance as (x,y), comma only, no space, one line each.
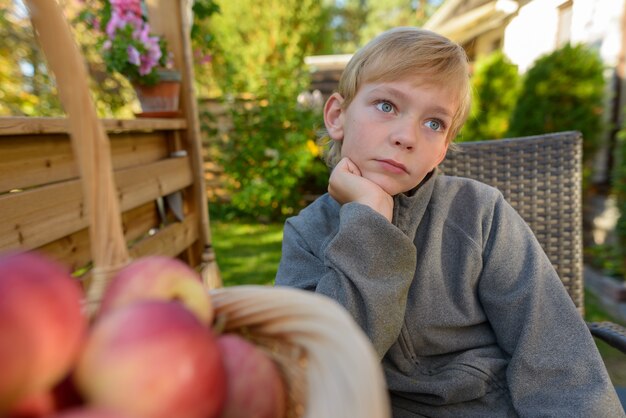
(347,184)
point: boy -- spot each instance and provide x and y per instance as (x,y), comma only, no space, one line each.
(465,311)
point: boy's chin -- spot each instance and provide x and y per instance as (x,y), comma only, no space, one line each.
(390,187)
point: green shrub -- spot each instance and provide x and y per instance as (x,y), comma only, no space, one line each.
(495,86)
(562,91)
(618,186)
(258,55)
(269,156)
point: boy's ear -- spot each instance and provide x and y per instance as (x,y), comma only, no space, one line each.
(333,116)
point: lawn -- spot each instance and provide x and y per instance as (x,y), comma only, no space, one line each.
(248,253)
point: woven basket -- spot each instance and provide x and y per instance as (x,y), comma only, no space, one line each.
(329,366)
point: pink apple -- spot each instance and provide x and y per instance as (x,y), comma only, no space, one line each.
(41,325)
(89,412)
(152,359)
(158,277)
(255,385)
(43,404)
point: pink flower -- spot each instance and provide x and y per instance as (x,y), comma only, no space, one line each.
(128,32)
(127,6)
(114,24)
(152,57)
(133,55)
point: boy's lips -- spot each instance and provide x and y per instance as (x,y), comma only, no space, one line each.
(393,165)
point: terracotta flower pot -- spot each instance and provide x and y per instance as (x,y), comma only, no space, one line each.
(163,96)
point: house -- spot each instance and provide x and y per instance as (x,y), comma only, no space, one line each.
(527,29)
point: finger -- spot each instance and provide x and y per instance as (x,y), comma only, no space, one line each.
(352,168)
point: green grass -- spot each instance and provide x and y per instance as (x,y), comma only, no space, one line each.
(248,253)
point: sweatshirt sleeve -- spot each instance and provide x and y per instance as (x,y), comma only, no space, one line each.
(366,266)
(555,368)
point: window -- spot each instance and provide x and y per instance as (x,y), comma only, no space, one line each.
(564,27)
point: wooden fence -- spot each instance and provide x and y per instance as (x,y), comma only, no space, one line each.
(41,202)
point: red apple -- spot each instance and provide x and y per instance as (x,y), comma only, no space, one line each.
(255,386)
(89,412)
(38,405)
(43,404)
(158,277)
(41,325)
(152,359)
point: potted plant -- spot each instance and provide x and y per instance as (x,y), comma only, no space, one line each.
(130,49)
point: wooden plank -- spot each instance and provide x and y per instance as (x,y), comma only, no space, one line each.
(32,160)
(74,250)
(139,221)
(39,216)
(145,183)
(169,241)
(130,149)
(30,125)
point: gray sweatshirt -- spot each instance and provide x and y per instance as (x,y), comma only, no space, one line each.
(463,307)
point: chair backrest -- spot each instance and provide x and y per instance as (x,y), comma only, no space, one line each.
(540,176)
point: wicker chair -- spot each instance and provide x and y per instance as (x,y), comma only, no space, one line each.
(541,178)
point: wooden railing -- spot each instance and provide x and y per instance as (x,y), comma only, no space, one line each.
(41,202)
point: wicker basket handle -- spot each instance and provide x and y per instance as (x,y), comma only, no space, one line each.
(89,141)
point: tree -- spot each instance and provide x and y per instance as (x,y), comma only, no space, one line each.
(386,14)
(354,22)
(563,91)
(495,87)
(27,88)
(258,63)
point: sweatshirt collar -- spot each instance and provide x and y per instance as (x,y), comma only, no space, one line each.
(409,207)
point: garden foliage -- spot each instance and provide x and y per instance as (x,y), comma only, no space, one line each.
(563,91)
(619,189)
(495,89)
(258,62)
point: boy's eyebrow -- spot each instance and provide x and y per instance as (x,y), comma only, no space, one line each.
(402,95)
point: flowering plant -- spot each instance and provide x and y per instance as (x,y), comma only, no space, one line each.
(128,46)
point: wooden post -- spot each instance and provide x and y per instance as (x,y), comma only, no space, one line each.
(172,19)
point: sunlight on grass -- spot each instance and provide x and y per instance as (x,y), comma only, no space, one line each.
(247,253)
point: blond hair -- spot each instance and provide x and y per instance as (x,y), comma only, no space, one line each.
(406,52)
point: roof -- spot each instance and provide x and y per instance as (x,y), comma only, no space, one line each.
(462,20)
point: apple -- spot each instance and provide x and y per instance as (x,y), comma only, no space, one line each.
(42,404)
(41,325)
(37,405)
(152,359)
(89,412)
(158,277)
(255,386)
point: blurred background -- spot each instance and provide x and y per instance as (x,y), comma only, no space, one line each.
(263,69)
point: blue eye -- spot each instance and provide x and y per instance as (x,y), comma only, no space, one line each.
(384,107)
(435,125)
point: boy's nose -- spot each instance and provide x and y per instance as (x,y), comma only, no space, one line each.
(405,136)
